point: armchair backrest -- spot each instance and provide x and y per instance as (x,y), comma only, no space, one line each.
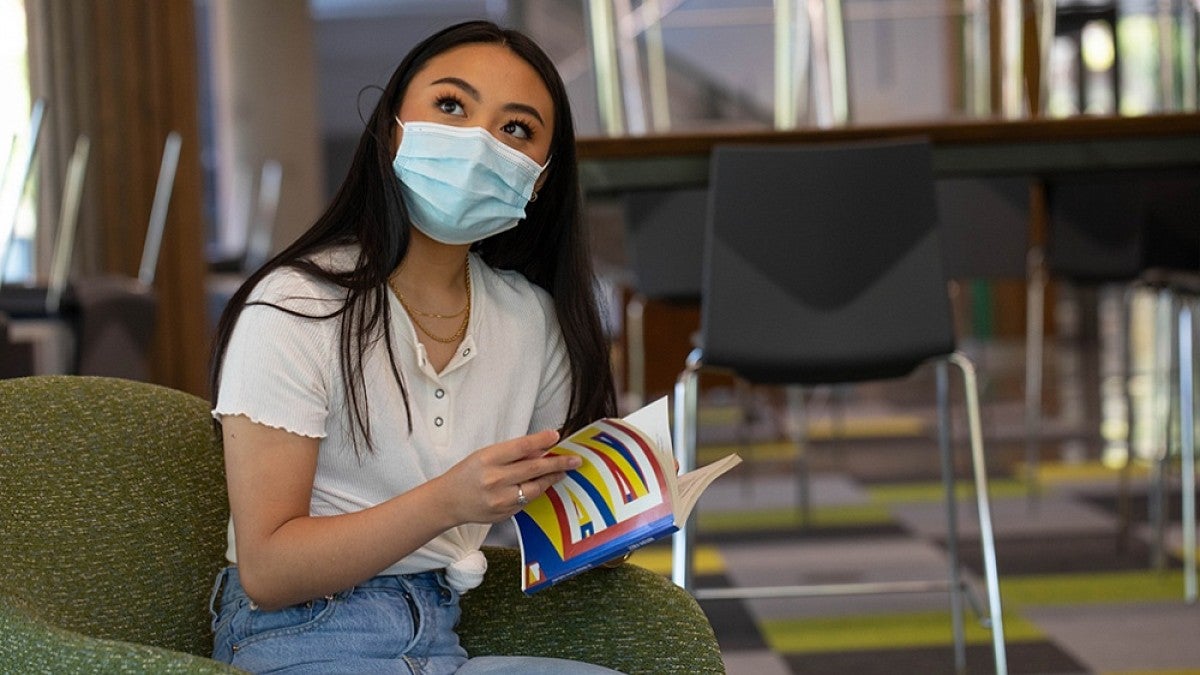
(114,508)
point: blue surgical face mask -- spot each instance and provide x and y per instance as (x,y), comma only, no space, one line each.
(461,184)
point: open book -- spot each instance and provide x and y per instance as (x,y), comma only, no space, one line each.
(624,496)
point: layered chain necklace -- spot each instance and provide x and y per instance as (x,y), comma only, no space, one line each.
(414,313)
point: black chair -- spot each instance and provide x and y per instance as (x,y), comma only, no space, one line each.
(986,236)
(8,357)
(823,265)
(1172,243)
(117,313)
(664,243)
(110,317)
(1139,231)
(1095,240)
(16,358)
(55,298)
(260,216)
(20,168)
(115,327)
(1096,243)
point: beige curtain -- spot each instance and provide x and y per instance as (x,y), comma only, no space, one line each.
(124,72)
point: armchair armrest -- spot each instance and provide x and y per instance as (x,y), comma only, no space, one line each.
(627,618)
(29,644)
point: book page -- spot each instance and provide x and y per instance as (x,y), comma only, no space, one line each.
(654,421)
(693,483)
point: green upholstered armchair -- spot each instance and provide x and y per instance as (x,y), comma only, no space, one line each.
(112,526)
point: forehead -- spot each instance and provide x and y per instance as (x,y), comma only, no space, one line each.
(494,70)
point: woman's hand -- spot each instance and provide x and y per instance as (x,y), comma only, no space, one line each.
(489,484)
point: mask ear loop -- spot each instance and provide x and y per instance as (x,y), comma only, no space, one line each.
(533,197)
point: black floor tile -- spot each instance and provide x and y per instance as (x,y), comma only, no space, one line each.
(1025,658)
(733,624)
(1063,553)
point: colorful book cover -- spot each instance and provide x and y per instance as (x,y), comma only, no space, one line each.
(621,498)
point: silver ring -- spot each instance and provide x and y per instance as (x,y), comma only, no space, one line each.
(522,500)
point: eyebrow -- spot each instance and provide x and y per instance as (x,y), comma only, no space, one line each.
(474,93)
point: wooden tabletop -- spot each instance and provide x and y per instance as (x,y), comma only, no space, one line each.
(975,147)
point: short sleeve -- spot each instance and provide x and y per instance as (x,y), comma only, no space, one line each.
(277,364)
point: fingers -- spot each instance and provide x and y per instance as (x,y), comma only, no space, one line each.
(532,445)
(533,488)
(525,458)
(504,473)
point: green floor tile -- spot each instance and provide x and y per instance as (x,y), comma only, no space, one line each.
(884,631)
(1065,589)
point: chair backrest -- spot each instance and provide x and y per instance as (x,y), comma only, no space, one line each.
(68,223)
(16,357)
(1173,220)
(1096,227)
(985,226)
(261,227)
(664,241)
(13,186)
(116,317)
(6,347)
(158,209)
(823,263)
(114,508)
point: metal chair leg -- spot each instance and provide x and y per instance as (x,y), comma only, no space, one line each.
(986,535)
(635,346)
(684,440)
(1035,335)
(796,415)
(948,482)
(682,554)
(1163,420)
(1187,450)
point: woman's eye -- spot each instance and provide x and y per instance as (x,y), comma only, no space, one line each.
(450,106)
(518,129)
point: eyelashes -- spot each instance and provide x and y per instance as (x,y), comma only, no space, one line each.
(451,104)
(445,100)
(524,126)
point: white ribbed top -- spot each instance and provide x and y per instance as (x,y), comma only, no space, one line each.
(510,377)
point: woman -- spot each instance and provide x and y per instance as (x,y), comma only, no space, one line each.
(387,386)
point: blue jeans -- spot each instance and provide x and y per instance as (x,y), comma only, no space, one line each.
(389,624)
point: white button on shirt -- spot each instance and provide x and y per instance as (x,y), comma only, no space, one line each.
(510,377)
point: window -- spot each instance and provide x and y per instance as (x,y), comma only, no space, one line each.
(17,219)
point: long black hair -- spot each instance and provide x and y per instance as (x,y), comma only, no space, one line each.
(550,247)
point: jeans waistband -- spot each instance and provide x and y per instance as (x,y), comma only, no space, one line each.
(227,587)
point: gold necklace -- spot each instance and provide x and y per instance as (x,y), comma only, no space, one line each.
(434,315)
(462,327)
